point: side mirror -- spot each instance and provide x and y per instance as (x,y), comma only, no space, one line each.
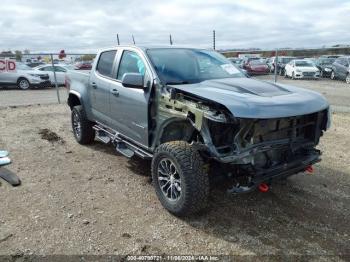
(133,80)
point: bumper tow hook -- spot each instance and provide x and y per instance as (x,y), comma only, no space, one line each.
(263,187)
(309,169)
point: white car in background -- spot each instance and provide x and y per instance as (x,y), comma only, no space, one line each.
(61,70)
(301,68)
(24,77)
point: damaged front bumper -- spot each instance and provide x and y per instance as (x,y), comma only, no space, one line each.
(277,173)
(263,150)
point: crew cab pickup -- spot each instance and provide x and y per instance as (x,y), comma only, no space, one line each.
(193,113)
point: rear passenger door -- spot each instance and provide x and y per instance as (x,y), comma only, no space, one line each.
(129,106)
(99,86)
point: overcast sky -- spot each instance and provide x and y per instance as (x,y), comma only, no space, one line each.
(86,25)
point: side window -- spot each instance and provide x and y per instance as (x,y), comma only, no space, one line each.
(60,69)
(47,68)
(105,63)
(130,63)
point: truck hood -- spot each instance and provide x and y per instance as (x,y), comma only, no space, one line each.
(250,98)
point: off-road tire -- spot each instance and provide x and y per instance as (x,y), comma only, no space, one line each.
(194,178)
(87,133)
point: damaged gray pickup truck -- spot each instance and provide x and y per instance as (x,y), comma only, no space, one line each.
(194,114)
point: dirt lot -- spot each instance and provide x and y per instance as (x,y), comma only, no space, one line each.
(16,97)
(87,200)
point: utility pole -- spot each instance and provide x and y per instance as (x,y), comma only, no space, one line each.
(214,39)
(171,40)
(133,39)
(118,39)
(276,64)
(55,77)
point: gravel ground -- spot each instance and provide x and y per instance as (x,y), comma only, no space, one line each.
(87,200)
(16,97)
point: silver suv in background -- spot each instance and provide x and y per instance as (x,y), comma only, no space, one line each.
(24,77)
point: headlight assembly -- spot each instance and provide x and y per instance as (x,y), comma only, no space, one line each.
(35,75)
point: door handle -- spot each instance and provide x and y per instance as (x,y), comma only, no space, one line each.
(115,92)
(94,85)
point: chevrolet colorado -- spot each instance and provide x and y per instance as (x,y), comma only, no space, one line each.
(189,110)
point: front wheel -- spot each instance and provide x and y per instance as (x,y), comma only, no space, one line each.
(23,84)
(333,75)
(82,127)
(293,76)
(347,79)
(180,179)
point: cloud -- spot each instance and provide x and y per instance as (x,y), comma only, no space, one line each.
(86,25)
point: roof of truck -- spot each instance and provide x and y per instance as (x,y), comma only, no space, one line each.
(145,47)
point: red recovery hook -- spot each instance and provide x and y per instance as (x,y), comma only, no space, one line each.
(263,187)
(309,169)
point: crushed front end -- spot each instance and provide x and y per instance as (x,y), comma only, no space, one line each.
(261,150)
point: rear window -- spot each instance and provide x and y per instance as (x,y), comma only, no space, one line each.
(105,63)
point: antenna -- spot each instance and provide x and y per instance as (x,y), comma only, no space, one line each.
(133,39)
(118,39)
(214,39)
(171,40)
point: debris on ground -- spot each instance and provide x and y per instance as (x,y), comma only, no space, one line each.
(50,136)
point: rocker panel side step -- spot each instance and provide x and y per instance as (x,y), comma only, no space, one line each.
(123,145)
(124,150)
(103,137)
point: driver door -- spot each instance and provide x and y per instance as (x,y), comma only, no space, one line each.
(129,106)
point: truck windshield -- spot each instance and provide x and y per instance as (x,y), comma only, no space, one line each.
(188,66)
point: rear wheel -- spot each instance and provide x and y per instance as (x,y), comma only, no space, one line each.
(82,127)
(23,84)
(180,179)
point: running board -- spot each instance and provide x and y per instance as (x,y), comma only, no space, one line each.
(124,150)
(102,136)
(123,145)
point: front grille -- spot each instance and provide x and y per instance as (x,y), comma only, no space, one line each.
(308,73)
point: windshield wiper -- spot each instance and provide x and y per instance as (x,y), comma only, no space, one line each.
(177,83)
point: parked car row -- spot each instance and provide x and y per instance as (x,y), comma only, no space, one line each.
(333,66)
(25,76)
